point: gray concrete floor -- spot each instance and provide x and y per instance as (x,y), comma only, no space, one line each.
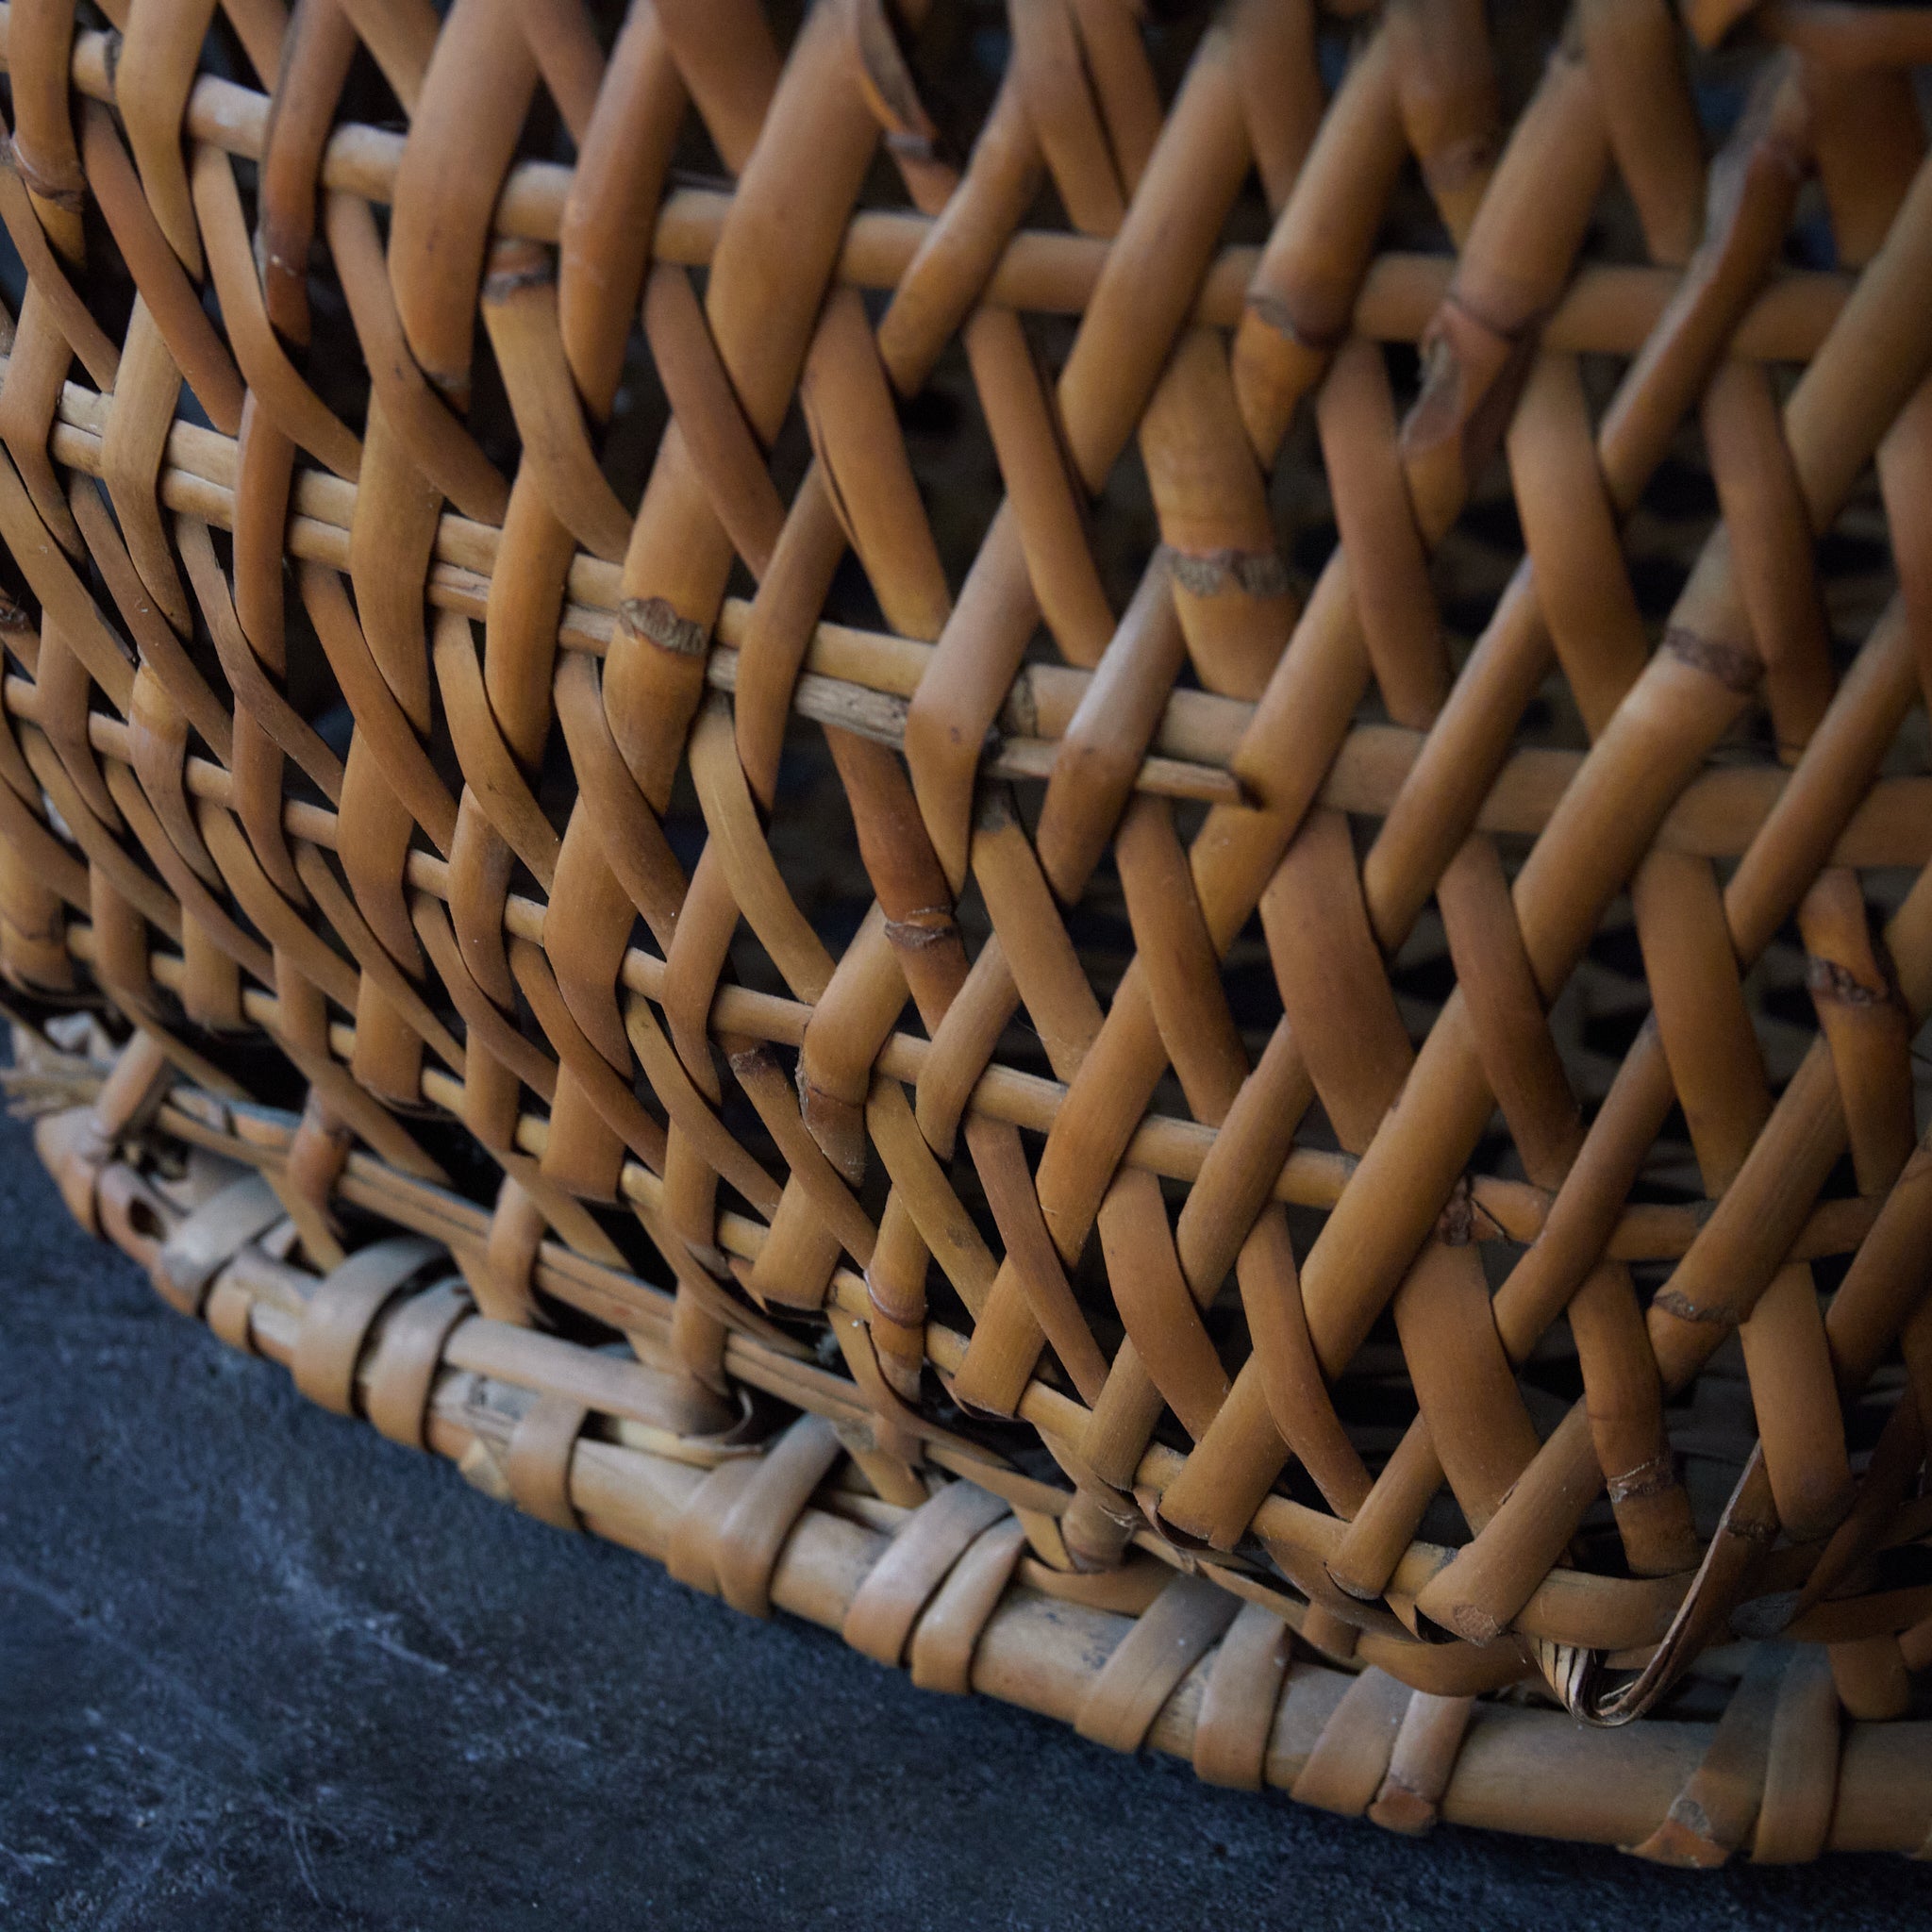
(261,1669)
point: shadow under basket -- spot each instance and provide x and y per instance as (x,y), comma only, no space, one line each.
(1095,840)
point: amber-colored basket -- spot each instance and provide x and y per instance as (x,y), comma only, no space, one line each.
(1096,838)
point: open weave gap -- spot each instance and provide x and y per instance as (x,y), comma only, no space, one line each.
(1192,750)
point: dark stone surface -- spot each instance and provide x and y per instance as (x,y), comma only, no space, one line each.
(261,1669)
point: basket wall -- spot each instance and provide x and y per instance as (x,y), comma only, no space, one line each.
(1099,842)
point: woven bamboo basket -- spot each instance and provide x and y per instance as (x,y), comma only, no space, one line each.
(1094,841)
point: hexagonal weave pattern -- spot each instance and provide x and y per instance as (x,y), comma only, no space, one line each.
(1095,838)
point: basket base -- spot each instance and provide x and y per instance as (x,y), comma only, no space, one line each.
(775,1510)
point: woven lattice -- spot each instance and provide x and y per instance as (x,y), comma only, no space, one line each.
(1120,821)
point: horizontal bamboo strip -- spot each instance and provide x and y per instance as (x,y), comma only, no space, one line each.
(1570,1606)
(1608,309)
(862,681)
(1163,1144)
